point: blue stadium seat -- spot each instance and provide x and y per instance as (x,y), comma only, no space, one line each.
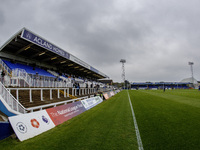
(28,69)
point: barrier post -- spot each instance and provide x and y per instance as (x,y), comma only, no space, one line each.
(75,92)
(65,92)
(41,94)
(58,93)
(72,91)
(51,94)
(17,94)
(68,92)
(30,94)
(83,91)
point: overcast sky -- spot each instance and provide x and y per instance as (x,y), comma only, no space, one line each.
(156,37)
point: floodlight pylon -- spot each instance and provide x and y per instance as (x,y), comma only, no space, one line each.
(191,68)
(123,61)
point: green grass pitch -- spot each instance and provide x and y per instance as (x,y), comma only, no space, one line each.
(166,120)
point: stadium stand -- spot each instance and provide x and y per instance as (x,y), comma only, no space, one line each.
(39,73)
(160,85)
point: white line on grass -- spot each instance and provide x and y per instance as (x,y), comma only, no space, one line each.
(139,141)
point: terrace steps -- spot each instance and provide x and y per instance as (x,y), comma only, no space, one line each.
(24,97)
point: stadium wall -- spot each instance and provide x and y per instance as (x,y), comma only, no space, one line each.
(5,130)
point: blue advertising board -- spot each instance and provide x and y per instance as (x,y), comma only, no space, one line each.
(27,35)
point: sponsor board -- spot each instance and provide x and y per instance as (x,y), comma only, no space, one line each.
(112,93)
(106,96)
(29,125)
(63,113)
(91,102)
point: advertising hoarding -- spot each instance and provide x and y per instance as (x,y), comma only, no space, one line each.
(29,125)
(91,102)
(63,113)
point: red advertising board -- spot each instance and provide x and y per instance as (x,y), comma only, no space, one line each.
(106,95)
(63,113)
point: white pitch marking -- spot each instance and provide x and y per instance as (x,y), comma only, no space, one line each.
(139,141)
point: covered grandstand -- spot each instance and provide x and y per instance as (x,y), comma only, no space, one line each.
(36,72)
(38,75)
(29,48)
(26,52)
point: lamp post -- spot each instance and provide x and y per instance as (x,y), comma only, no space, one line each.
(191,63)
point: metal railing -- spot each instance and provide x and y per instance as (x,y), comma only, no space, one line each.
(11,100)
(22,74)
(41,90)
(65,91)
(17,106)
(21,78)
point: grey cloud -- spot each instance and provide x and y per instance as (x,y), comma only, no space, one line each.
(157,38)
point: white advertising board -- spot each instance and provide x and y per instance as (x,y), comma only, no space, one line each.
(112,93)
(91,102)
(29,125)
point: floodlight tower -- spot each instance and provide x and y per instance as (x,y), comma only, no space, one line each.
(123,61)
(191,63)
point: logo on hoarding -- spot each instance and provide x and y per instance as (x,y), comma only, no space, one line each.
(21,127)
(35,123)
(45,119)
(28,35)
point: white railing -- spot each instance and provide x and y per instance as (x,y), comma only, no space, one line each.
(50,83)
(22,74)
(17,106)
(10,100)
(63,91)
(41,107)
(21,78)
(5,67)
(41,90)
